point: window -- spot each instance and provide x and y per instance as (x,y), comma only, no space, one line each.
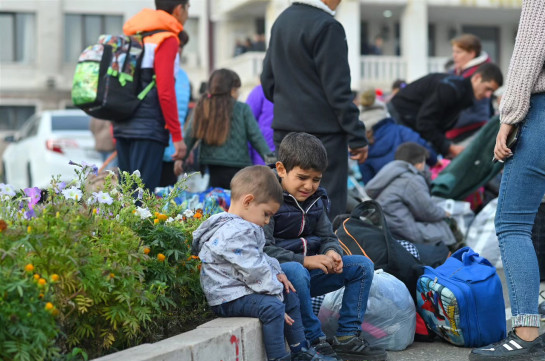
(13,117)
(70,122)
(82,30)
(190,55)
(18,37)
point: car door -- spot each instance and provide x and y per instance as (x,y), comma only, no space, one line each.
(17,159)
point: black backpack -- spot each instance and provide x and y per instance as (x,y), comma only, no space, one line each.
(106,81)
(366,233)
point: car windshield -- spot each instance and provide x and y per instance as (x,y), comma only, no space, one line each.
(69,122)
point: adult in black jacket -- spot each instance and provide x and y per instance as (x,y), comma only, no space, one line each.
(307,77)
(431,104)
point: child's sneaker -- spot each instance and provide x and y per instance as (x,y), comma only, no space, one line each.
(356,348)
(324,348)
(511,348)
(310,354)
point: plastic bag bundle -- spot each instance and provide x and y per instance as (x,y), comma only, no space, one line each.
(390,319)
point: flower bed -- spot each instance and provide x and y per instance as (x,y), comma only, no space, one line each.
(84,273)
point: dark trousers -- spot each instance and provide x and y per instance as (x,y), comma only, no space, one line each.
(220,176)
(143,155)
(270,311)
(335,178)
(168,178)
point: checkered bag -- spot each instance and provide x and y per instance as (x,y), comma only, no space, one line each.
(317,303)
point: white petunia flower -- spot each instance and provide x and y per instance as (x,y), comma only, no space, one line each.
(103,197)
(72,193)
(7,190)
(188,213)
(170,220)
(143,212)
(136,173)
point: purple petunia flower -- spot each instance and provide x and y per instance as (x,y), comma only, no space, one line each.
(90,167)
(58,187)
(35,195)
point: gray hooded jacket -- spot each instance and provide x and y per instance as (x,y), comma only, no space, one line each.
(233,262)
(405,198)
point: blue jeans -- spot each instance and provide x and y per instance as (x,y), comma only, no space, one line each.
(270,311)
(522,188)
(356,278)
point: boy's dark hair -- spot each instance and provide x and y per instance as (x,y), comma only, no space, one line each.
(302,150)
(183,36)
(169,5)
(412,153)
(490,71)
(258,180)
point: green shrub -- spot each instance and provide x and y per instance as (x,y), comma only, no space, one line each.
(89,273)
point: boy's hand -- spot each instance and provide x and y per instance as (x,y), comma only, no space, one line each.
(337,260)
(178,167)
(288,319)
(286,282)
(321,261)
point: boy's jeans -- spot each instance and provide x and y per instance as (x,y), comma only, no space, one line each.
(521,190)
(356,277)
(270,311)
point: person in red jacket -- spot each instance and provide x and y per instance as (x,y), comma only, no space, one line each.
(142,139)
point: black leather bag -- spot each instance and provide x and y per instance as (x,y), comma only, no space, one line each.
(366,233)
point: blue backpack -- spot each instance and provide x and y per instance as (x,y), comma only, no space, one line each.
(462,300)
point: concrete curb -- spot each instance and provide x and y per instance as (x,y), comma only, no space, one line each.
(222,339)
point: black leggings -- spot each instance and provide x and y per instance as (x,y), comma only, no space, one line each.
(220,176)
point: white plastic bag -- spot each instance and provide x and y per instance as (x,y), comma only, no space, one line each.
(459,210)
(481,236)
(390,319)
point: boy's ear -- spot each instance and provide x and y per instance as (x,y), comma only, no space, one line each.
(281,170)
(247,199)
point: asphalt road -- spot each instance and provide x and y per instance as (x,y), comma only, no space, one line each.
(443,351)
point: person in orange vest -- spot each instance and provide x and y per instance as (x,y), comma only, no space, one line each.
(142,139)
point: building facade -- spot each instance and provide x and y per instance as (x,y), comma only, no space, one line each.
(388,40)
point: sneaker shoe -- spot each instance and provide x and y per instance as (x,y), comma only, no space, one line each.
(541,310)
(324,348)
(356,348)
(511,348)
(310,354)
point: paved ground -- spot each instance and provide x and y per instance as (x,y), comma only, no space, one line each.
(442,351)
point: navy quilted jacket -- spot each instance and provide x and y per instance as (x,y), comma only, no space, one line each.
(301,229)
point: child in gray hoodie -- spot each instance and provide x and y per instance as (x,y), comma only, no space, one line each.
(401,189)
(238,279)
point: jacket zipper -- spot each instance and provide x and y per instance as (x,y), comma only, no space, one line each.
(303,212)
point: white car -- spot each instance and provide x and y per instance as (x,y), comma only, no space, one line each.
(44,146)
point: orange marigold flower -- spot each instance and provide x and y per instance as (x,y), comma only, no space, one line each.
(55,277)
(29,229)
(29,267)
(41,295)
(3,225)
(157,214)
(199,267)
(112,275)
(42,282)
(194,257)
(197,215)
(147,250)
(55,312)
(155,221)
(49,306)
(162,217)
(161,257)
(36,276)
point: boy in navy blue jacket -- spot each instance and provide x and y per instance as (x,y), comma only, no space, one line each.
(301,237)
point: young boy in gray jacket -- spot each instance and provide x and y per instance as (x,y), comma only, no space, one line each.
(238,279)
(400,187)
